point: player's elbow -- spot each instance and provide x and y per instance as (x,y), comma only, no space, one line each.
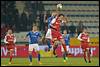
(79,38)
(5,41)
(14,41)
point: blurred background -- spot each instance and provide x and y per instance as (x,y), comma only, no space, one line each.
(21,15)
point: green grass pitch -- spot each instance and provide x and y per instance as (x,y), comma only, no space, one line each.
(51,62)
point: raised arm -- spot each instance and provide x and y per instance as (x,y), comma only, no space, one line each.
(79,37)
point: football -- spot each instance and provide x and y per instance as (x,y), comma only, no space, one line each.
(59,6)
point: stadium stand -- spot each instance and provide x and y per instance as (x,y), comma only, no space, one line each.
(85,11)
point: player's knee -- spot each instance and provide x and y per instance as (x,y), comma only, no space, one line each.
(54,46)
(30,52)
(88,51)
(84,50)
(56,43)
(38,52)
(62,40)
(87,48)
(11,49)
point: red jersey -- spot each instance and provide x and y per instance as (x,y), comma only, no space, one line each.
(84,38)
(56,23)
(10,39)
(55,28)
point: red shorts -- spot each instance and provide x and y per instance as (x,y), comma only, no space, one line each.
(84,46)
(56,34)
(10,46)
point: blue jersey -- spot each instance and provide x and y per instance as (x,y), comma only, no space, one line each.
(33,37)
(49,20)
(67,39)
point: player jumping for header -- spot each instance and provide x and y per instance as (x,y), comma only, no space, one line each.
(55,31)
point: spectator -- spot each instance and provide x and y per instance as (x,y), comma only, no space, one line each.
(31,19)
(45,20)
(2,30)
(72,29)
(16,20)
(3,16)
(42,24)
(80,27)
(64,27)
(23,21)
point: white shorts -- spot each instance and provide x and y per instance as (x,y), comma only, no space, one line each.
(33,46)
(48,34)
(62,49)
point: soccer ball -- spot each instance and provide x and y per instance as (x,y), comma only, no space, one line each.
(59,6)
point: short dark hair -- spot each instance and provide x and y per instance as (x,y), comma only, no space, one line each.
(61,15)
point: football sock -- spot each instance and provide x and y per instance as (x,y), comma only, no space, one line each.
(84,55)
(88,54)
(38,57)
(65,49)
(48,43)
(11,56)
(30,58)
(64,46)
(64,56)
(54,50)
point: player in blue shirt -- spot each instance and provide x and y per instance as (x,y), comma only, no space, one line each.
(49,21)
(34,38)
(66,37)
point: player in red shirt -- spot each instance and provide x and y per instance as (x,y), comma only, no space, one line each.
(10,40)
(55,31)
(84,38)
